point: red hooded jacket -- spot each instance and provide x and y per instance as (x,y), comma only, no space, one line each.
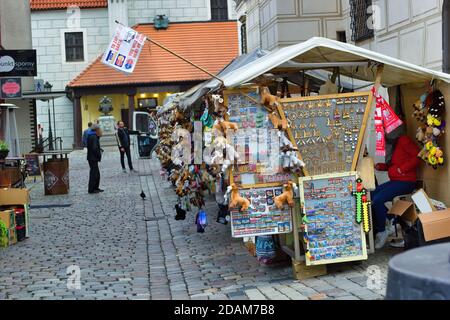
(404,161)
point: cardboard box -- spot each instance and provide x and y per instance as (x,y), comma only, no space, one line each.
(14,197)
(404,209)
(9,218)
(423,202)
(436,224)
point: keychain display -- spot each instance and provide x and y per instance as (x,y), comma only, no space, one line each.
(330,231)
(262,217)
(362,206)
(317,123)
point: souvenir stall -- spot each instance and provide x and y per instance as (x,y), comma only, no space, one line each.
(295,166)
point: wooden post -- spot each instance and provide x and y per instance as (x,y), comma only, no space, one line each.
(362,133)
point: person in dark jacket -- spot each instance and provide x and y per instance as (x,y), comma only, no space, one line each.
(85,134)
(124,143)
(402,171)
(94,156)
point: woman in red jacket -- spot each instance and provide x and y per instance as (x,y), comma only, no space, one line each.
(402,171)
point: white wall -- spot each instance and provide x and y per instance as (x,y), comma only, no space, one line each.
(47,30)
(410,30)
(143,11)
(277,23)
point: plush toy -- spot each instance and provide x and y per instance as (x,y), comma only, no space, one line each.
(436,104)
(433,121)
(236,200)
(268,100)
(278,123)
(420,135)
(223,126)
(219,108)
(420,112)
(287,196)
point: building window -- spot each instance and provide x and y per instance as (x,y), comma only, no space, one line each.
(219,10)
(361,15)
(74,46)
(147,103)
(341,36)
(243,21)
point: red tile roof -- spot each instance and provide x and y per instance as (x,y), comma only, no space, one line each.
(211,45)
(64,4)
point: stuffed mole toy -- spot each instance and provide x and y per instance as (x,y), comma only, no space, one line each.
(223,126)
(280,124)
(268,100)
(236,200)
(287,196)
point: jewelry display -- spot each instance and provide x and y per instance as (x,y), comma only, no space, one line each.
(316,123)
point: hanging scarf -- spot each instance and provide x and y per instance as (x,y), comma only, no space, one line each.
(385,121)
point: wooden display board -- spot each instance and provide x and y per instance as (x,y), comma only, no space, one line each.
(331,232)
(252,119)
(328,130)
(262,218)
(254,181)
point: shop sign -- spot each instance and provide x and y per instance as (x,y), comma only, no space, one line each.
(10,88)
(124,50)
(18,63)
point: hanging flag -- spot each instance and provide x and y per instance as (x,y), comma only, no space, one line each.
(124,49)
(385,121)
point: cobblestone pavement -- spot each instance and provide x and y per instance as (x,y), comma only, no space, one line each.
(127,248)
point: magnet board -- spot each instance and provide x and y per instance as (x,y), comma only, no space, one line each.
(256,136)
(262,217)
(328,130)
(331,232)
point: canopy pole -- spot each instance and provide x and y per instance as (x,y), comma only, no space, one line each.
(178,56)
(362,134)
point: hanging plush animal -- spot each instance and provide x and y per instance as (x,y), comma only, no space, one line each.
(436,104)
(287,196)
(219,108)
(236,200)
(278,123)
(268,100)
(420,112)
(223,126)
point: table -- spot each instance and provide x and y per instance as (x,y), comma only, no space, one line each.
(12,172)
(56,172)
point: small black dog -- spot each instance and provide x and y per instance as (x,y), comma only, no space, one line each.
(181,214)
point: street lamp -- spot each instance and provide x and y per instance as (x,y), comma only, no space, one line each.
(48,88)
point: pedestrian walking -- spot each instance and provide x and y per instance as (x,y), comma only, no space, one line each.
(85,134)
(124,143)
(94,156)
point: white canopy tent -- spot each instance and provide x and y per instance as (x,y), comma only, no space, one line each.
(321,52)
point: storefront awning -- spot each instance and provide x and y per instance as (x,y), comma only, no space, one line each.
(328,52)
(43,95)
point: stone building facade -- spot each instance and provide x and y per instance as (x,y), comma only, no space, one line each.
(89,27)
(410,30)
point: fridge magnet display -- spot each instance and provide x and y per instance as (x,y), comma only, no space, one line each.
(331,233)
(262,217)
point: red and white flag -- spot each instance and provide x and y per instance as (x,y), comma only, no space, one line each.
(124,50)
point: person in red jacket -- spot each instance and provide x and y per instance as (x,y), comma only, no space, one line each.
(402,171)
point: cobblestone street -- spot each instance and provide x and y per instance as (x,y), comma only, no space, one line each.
(127,248)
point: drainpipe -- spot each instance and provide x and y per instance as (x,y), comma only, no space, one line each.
(446,36)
